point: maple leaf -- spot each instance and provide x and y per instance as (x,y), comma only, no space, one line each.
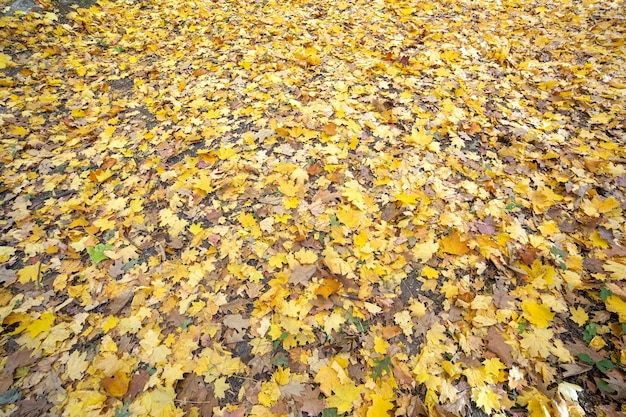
(425,251)
(96,253)
(485,398)
(537,314)
(29,273)
(116,385)
(380,366)
(344,396)
(615,304)
(352,191)
(5,61)
(617,269)
(454,245)
(380,406)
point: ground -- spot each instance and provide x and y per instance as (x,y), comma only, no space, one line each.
(313,208)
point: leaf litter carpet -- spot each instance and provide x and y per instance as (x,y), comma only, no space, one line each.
(329,208)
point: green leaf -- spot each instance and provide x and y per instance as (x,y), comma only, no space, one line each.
(10,396)
(186,323)
(130,265)
(590,332)
(280,360)
(605,293)
(96,253)
(380,366)
(330,412)
(333,220)
(586,358)
(605,365)
(360,324)
(110,234)
(278,341)
(604,386)
(123,412)
(521,327)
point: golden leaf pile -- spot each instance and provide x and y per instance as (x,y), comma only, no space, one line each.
(327,208)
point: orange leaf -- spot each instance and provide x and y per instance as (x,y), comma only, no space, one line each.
(454,245)
(116,385)
(329,286)
(330,129)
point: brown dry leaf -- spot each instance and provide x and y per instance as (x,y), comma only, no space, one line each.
(137,383)
(497,344)
(302,274)
(236,321)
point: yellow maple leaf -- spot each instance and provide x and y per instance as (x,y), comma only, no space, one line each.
(76,365)
(617,269)
(429,272)
(578,315)
(494,370)
(334,322)
(352,191)
(419,137)
(600,118)
(29,273)
(486,398)
(288,188)
(5,61)
(597,205)
(597,241)
(168,218)
(380,345)
(537,314)
(290,203)
(540,275)
(407,199)
(42,324)
(6,252)
(306,256)
(403,319)
(344,396)
(83,401)
(220,386)
(335,264)
(20,131)
(196,228)
(380,406)
(172,372)
(543,198)
(424,251)
(417,308)
(110,323)
(226,152)
(327,378)
(246,219)
(549,228)
(615,304)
